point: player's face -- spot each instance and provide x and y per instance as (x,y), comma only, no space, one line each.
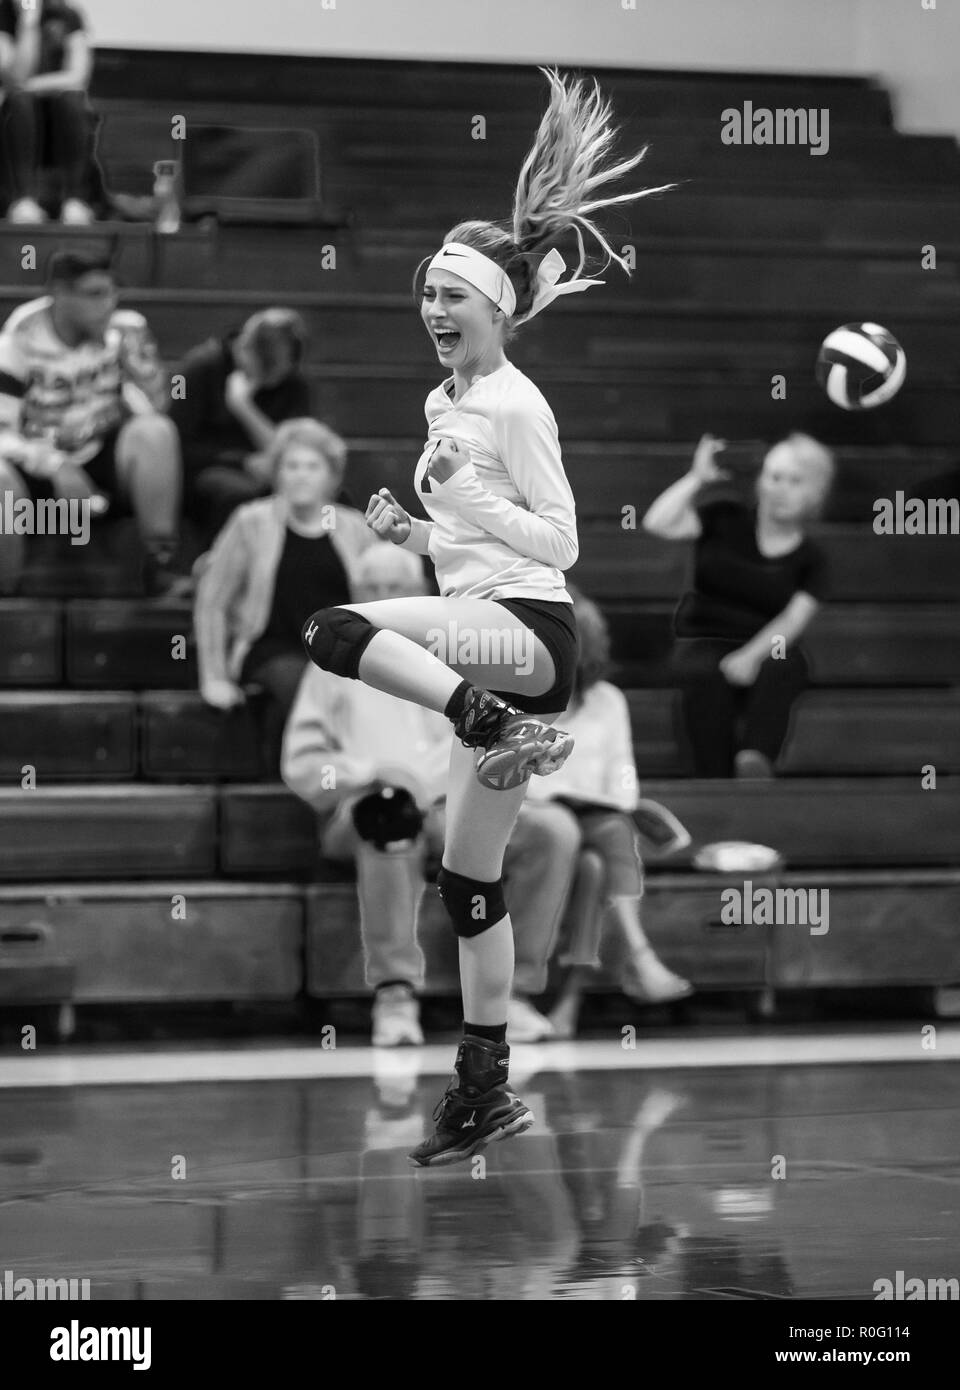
(88,303)
(461,321)
(304,477)
(784,490)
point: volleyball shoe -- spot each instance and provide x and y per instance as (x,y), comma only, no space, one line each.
(516,745)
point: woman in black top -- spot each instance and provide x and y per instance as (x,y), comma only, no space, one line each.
(757,584)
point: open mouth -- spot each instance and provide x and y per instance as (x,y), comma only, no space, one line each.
(447,340)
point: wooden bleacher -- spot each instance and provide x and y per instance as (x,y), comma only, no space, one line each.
(142,793)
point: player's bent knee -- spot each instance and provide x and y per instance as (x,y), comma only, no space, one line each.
(473,906)
(335,640)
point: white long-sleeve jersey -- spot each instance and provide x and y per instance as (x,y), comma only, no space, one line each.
(504,526)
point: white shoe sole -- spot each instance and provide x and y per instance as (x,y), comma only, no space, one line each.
(400,1040)
(502,769)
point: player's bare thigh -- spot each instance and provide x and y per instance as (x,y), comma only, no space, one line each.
(483,642)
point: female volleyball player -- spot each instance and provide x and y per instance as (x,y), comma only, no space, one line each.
(500,646)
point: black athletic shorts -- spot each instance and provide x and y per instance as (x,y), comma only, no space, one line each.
(556,626)
(102,472)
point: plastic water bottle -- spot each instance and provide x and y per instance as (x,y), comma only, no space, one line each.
(165,193)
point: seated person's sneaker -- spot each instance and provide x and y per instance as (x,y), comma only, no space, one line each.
(161,578)
(525,1023)
(646,979)
(26,210)
(516,744)
(396,1017)
(751,763)
(75,213)
(477,1109)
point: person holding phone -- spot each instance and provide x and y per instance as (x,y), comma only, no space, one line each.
(758,580)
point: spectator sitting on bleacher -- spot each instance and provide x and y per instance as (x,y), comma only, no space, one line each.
(597,790)
(276,561)
(372,740)
(758,581)
(234,394)
(82,396)
(45,66)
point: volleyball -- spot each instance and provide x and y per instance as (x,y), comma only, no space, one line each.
(860,366)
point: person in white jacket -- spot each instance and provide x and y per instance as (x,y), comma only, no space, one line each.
(361,757)
(599,787)
(499,646)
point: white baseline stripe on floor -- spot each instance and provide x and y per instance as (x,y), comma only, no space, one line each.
(171,1066)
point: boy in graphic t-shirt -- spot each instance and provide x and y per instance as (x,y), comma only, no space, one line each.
(82,395)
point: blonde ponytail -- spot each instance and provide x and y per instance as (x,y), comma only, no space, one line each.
(567,166)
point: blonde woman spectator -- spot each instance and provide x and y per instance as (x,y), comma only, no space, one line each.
(758,582)
(277,559)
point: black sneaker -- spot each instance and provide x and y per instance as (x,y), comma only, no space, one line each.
(477,1109)
(516,744)
(161,580)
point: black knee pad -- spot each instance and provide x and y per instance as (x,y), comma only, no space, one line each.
(335,639)
(386,816)
(472,905)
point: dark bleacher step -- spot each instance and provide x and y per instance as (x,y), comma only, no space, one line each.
(625,332)
(896,929)
(827,822)
(108,565)
(832,732)
(861,564)
(857,223)
(266,829)
(109,831)
(31,643)
(334,950)
(876,733)
(882,929)
(848,644)
(609,477)
(168,941)
(140,256)
(615,405)
(397,88)
(405,194)
(68,734)
(183,739)
(355,142)
(129,644)
(668,274)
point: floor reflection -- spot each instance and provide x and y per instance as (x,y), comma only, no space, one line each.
(751,1183)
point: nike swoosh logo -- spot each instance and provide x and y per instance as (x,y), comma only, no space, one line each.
(461,254)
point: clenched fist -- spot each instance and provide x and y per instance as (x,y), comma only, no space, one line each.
(387,518)
(447,458)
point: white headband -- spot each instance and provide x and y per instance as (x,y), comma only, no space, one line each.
(490,279)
